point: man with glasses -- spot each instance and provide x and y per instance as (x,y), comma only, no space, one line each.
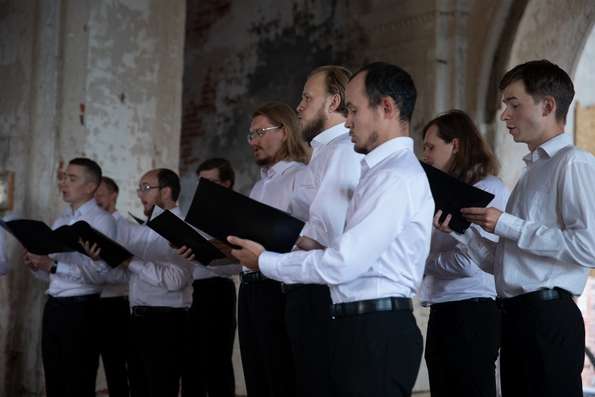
(266,355)
(208,369)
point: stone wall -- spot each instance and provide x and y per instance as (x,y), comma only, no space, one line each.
(79,78)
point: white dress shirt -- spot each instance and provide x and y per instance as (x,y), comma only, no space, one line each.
(450,274)
(330,179)
(4,266)
(387,235)
(278,184)
(547,234)
(121,289)
(157,275)
(277,187)
(157,278)
(68,279)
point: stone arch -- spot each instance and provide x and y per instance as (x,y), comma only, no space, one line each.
(552,29)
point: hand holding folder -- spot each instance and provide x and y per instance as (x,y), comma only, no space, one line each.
(451,195)
(38,238)
(180,234)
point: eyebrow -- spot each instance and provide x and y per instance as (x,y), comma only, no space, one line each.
(509,98)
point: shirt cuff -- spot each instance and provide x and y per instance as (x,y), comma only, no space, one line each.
(509,226)
(267,264)
(135,266)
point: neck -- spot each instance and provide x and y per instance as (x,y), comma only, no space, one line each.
(79,204)
(332,120)
(546,136)
(168,205)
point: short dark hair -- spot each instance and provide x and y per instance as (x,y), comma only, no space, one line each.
(112,186)
(223,166)
(92,169)
(384,79)
(336,79)
(475,159)
(168,178)
(543,78)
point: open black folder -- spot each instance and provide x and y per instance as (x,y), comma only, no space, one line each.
(38,238)
(450,195)
(179,233)
(221,212)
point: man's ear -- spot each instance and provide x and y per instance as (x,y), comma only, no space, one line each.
(166,192)
(227,184)
(549,105)
(390,108)
(456,144)
(335,102)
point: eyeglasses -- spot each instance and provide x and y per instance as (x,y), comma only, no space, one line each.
(259,133)
(146,187)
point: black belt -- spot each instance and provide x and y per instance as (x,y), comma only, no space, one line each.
(533,297)
(370,306)
(73,299)
(140,311)
(285,288)
(445,305)
(252,277)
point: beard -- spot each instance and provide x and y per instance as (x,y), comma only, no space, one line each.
(369,145)
(314,127)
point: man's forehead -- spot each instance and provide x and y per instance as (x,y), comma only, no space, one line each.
(74,169)
(316,83)
(149,177)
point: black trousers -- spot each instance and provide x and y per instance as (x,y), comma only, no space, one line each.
(114,320)
(208,369)
(69,346)
(462,347)
(543,349)
(307,313)
(158,340)
(264,345)
(375,354)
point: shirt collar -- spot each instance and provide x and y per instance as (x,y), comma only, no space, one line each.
(549,148)
(386,149)
(326,136)
(82,210)
(277,169)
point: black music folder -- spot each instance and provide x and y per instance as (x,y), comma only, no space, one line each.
(451,194)
(38,238)
(179,233)
(221,212)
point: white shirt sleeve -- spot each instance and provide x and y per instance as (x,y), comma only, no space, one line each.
(168,275)
(575,242)
(347,258)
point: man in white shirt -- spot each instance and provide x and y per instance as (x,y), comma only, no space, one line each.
(69,329)
(114,310)
(331,176)
(374,268)
(266,354)
(212,317)
(160,292)
(547,238)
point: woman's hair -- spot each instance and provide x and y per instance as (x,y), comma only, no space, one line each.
(294,147)
(474,159)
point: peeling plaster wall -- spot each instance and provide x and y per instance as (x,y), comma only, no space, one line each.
(55,56)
